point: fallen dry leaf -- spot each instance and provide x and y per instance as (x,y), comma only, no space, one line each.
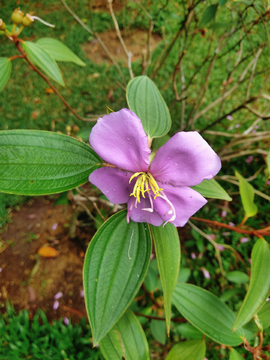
(47,251)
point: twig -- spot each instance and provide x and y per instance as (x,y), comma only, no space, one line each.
(33,67)
(92,201)
(253,71)
(101,43)
(128,53)
(227,93)
(177,320)
(88,212)
(257,233)
(213,243)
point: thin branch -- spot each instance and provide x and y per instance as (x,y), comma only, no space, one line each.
(257,233)
(177,320)
(16,57)
(101,43)
(33,67)
(93,202)
(128,53)
(226,94)
(212,242)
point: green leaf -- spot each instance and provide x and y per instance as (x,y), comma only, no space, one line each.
(189,350)
(158,330)
(208,15)
(145,100)
(5,71)
(167,245)
(237,277)
(58,51)
(207,313)
(43,60)
(158,142)
(264,315)
(184,275)
(247,196)
(151,280)
(259,283)
(114,268)
(234,355)
(125,340)
(212,189)
(188,331)
(222,2)
(36,162)
(229,294)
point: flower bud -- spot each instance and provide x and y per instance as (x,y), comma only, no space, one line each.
(2,25)
(17,16)
(27,20)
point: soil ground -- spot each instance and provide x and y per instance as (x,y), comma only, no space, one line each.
(31,281)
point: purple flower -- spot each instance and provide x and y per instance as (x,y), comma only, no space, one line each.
(82,293)
(56,305)
(244,239)
(193,256)
(220,248)
(158,191)
(231,224)
(223,213)
(66,320)
(58,295)
(206,273)
(249,159)
(229,117)
(54,226)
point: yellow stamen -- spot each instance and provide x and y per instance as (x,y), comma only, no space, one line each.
(144,183)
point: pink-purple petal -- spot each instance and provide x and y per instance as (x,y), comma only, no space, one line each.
(185,200)
(139,215)
(119,139)
(114,183)
(185,160)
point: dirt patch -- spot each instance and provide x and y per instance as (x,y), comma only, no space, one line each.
(31,281)
(135,40)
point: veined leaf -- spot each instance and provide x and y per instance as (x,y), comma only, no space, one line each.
(58,51)
(247,196)
(5,71)
(259,283)
(114,268)
(212,189)
(237,277)
(234,355)
(43,60)
(207,313)
(36,162)
(187,350)
(145,100)
(208,15)
(125,340)
(167,245)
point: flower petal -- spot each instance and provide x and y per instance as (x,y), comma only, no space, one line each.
(185,160)
(185,200)
(114,183)
(139,215)
(119,139)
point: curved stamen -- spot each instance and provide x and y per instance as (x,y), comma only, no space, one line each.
(171,208)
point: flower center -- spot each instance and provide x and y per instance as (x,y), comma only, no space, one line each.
(144,183)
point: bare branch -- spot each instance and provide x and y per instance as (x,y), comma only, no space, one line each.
(101,43)
(128,53)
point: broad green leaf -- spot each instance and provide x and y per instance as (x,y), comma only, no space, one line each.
(207,313)
(167,245)
(188,331)
(151,280)
(222,2)
(184,274)
(212,189)
(247,196)
(187,350)
(114,268)
(230,293)
(158,142)
(145,100)
(264,315)
(43,60)
(126,340)
(36,162)
(58,51)
(208,15)
(259,283)
(158,330)
(237,277)
(234,355)
(5,70)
